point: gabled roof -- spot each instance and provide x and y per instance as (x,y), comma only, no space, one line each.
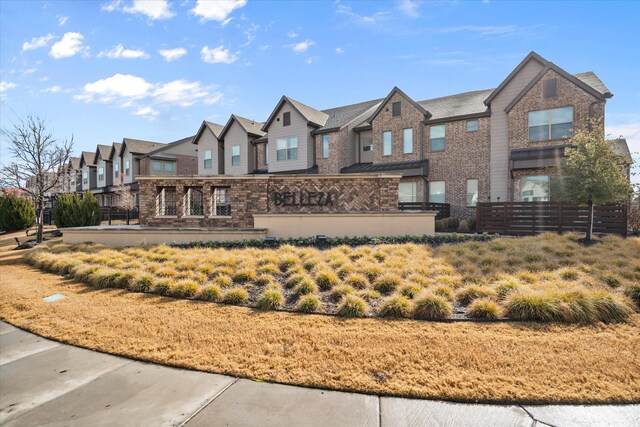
(404,95)
(87,158)
(74,162)
(139,146)
(251,127)
(103,151)
(573,79)
(314,117)
(620,147)
(165,147)
(590,78)
(532,56)
(213,127)
(339,117)
(115,150)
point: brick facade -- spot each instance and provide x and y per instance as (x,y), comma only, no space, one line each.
(249,195)
(338,152)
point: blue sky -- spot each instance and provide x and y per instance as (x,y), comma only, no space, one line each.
(154,70)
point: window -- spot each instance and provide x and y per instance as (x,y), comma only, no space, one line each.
(396,109)
(549,88)
(168,166)
(325,146)
(116,170)
(221,202)
(156,165)
(472,125)
(194,201)
(386,143)
(159,165)
(437,192)
(287,149)
(534,188)
(235,155)
(286,119)
(207,159)
(407,140)
(85,177)
(436,138)
(472,192)
(550,124)
(101,173)
(127,168)
(367,144)
(166,201)
(407,192)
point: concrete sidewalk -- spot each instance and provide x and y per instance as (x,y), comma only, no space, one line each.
(43,382)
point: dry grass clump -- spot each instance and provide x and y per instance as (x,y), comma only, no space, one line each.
(430,306)
(270,299)
(484,309)
(308,304)
(235,296)
(211,293)
(553,271)
(352,306)
(633,291)
(396,306)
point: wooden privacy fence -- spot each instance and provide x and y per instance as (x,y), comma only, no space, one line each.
(521,218)
(443,209)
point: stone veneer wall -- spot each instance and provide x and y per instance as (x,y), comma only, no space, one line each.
(249,195)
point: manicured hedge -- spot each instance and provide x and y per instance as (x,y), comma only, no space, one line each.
(435,240)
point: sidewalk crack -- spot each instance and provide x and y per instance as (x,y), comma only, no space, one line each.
(189,418)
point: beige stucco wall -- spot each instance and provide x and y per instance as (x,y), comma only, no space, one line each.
(347,225)
(133,236)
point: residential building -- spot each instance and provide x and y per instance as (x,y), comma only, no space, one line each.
(210,149)
(88,168)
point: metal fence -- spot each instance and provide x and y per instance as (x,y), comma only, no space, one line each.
(118,216)
(443,209)
(526,218)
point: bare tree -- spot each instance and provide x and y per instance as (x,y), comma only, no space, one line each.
(38,161)
(124,198)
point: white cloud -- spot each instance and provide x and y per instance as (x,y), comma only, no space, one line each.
(127,90)
(52,89)
(172,54)
(365,20)
(152,9)
(264,47)
(147,112)
(62,20)
(340,50)
(218,55)
(217,10)
(482,30)
(69,45)
(4,87)
(250,33)
(292,34)
(409,8)
(120,52)
(312,59)
(44,79)
(29,71)
(37,42)
(302,47)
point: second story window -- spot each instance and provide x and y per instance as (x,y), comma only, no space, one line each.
(386,143)
(436,138)
(220,202)
(235,155)
(194,201)
(287,149)
(325,146)
(85,177)
(156,165)
(396,109)
(116,170)
(550,124)
(127,167)
(472,125)
(166,201)
(286,119)
(407,140)
(101,173)
(367,144)
(207,159)
(159,166)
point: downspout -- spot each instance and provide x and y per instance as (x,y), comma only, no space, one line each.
(425,193)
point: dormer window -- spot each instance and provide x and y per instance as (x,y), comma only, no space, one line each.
(286,119)
(396,109)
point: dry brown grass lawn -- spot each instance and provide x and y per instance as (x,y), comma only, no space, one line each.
(490,362)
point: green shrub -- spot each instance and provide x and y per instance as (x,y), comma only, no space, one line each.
(305,287)
(326,280)
(340,291)
(270,299)
(71,210)
(357,281)
(430,306)
(484,309)
(469,293)
(210,293)
(308,304)
(352,306)
(396,306)
(235,296)
(387,283)
(16,213)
